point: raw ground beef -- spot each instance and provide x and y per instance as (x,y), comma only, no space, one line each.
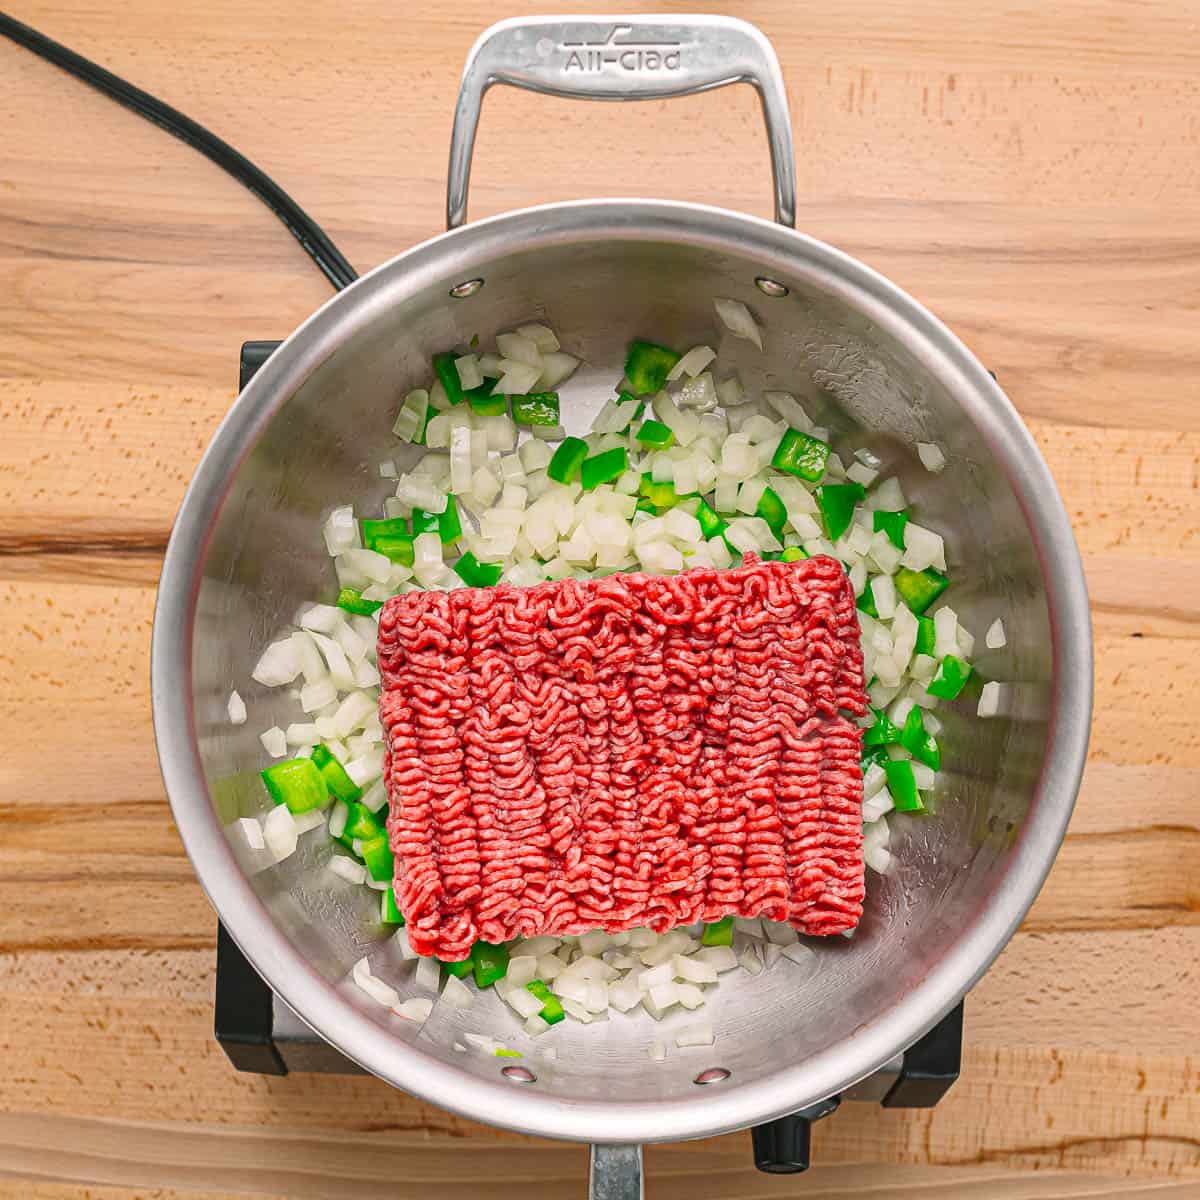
(633,750)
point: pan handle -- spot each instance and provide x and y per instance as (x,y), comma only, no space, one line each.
(615,1173)
(622,58)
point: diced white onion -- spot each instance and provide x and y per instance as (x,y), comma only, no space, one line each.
(417,1009)
(737,319)
(989,699)
(348,869)
(379,991)
(428,974)
(699,1034)
(274,741)
(277,665)
(931,456)
(996,638)
(251,833)
(456,993)
(236,708)
(692,363)
(280,834)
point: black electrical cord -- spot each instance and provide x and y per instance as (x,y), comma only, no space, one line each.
(299,224)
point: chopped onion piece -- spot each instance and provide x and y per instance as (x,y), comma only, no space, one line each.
(348,869)
(278,664)
(720,957)
(542,336)
(693,971)
(995,638)
(657,1052)
(989,699)
(428,974)
(379,991)
(236,708)
(931,456)
(251,833)
(519,378)
(692,363)
(417,1009)
(789,408)
(280,834)
(799,953)
(737,319)
(780,933)
(456,993)
(469,374)
(274,741)
(515,348)
(557,367)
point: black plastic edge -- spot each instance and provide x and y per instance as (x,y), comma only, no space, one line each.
(930,1066)
(245,1012)
(784,1146)
(254,354)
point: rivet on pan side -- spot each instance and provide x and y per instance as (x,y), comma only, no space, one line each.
(770,287)
(712,1075)
(468,287)
(518,1074)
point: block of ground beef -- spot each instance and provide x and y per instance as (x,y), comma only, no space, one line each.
(633,750)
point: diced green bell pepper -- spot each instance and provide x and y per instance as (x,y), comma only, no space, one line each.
(352,602)
(799,454)
(447,372)
(460,970)
(882,733)
(489,963)
(719,933)
(505,1052)
(390,537)
(921,744)
(952,675)
(866,603)
(389,910)
(711,525)
(298,783)
(398,549)
(449,523)
(892,523)
(656,435)
(377,855)
(661,495)
(361,822)
(486,401)
(476,574)
(423,522)
(771,509)
(794,554)
(536,408)
(837,502)
(919,589)
(902,785)
(337,781)
(604,468)
(874,754)
(552,1009)
(567,460)
(648,366)
(925,636)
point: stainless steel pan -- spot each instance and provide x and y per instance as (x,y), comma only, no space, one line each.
(308,431)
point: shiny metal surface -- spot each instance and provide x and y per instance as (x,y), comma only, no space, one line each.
(615,1173)
(308,432)
(622,58)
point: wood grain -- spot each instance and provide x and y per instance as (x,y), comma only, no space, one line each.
(1028,172)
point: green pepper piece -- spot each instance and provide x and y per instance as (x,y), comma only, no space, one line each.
(875,754)
(337,781)
(536,408)
(449,523)
(377,855)
(919,589)
(604,468)
(661,495)
(389,910)
(866,603)
(837,502)
(424,522)
(298,783)
(711,525)
(644,505)
(656,435)
(568,459)
(361,822)
(925,636)
(794,553)
(398,549)
(771,509)
(719,933)
(505,1052)
(952,675)
(892,523)
(882,733)
(902,785)
(460,970)
(476,574)
(352,602)
(799,454)
(485,401)
(921,744)
(647,367)
(552,1009)
(447,372)
(489,963)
